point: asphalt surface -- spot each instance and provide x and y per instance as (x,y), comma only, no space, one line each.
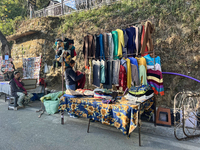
(23,130)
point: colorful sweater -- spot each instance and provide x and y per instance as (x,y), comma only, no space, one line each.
(155,80)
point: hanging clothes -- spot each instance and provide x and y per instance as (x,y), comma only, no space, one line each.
(105,44)
(134,62)
(143,75)
(136,39)
(81,82)
(91,72)
(97,41)
(122,78)
(120,42)
(115,41)
(124,49)
(96,72)
(131,47)
(110,45)
(88,49)
(108,83)
(134,75)
(150,60)
(147,42)
(140,29)
(102,55)
(116,67)
(123,63)
(155,80)
(129,78)
(156,67)
(103,79)
(141,61)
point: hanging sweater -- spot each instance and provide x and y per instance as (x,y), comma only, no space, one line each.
(155,80)
(129,78)
(115,41)
(105,44)
(122,78)
(120,42)
(147,39)
(131,40)
(143,75)
(110,45)
(88,49)
(102,55)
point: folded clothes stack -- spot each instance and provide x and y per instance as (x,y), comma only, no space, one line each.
(105,94)
(140,93)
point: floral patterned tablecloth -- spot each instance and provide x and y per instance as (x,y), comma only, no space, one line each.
(121,115)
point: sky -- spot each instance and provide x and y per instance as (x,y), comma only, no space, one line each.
(70,3)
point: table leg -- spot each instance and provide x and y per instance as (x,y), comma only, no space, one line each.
(62,117)
(154,111)
(139,125)
(88,126)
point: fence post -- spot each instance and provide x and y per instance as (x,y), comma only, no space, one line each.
(62,8)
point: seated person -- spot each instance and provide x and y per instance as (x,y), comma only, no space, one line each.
(18,90)
(70,76)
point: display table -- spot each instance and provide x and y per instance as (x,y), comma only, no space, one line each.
(121,115)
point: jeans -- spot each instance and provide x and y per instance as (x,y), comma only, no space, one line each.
(71,87)
(21,98)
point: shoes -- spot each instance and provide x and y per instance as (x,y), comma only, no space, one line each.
(73,116)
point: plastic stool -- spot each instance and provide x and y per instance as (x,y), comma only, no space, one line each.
(12,103)
(167,112)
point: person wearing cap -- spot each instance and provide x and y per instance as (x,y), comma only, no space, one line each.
(18,90)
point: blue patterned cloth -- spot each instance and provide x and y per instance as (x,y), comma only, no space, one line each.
(121,115)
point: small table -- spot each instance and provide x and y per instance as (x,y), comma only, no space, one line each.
(125,117)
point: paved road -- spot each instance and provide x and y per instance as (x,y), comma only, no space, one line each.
(23,130)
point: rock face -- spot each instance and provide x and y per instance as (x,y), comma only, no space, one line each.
(176,43)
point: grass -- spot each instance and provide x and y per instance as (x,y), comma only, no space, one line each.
(183,12)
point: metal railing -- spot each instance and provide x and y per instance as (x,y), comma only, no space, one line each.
(69,6)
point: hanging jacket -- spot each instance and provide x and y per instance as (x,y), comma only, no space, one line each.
(147,42)
(136,39)
(88,49)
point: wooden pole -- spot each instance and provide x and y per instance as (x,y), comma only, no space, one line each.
(63,63)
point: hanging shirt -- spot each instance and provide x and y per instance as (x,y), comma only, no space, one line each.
(143,75)
(96,72)
(131,48)
(142,38)
(155,80)
(110,45)
(115,41)
(116,67)
(91,72)
(150,60)
(102,55)
(120,42)
(122,78)
(103,79)
(129,78)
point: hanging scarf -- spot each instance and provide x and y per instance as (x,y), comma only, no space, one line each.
(19,84)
